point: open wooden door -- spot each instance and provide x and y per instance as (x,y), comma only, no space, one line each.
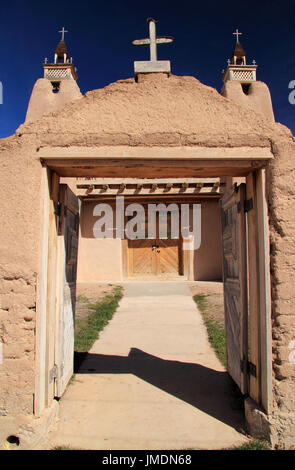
(68,251)
(235,284)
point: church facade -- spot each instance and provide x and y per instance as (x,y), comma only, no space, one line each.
(75,155)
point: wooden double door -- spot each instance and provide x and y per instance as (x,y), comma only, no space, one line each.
(155,256)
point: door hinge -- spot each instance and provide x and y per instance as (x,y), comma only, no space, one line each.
(57,208)
(248,367)
(248,205)
(56,372)
(53,373)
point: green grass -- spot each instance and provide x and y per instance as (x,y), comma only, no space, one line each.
(100,313)
(82,298)
(254,444)
(216,332)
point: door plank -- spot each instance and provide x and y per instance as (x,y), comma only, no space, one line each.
(69,226)
(235,283)
(253,288)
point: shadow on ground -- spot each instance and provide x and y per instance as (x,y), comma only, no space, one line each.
(211,391)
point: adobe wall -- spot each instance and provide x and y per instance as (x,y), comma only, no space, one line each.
(208,259)
(281,188)
(20,219)
(258,98)
(98,259)
(44,101)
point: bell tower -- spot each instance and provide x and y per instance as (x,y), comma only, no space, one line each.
(237,67)
(62,66)
(59,85)
(241,85)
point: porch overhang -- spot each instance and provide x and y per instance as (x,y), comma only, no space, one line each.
(154,162)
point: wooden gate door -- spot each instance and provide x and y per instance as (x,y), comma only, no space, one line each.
(68,250)
(167,256)
(156,256)
(235,284)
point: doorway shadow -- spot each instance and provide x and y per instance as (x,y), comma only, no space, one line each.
(211,391)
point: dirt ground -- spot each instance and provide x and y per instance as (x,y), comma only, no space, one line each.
(90,293)
(214,299)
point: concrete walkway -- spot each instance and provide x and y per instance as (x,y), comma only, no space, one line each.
(151,381)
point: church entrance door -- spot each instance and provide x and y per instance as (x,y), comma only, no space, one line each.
(161,257)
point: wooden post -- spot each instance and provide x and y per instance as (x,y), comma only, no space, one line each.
(253,289)
(51,308)
(264,288)
(39,401)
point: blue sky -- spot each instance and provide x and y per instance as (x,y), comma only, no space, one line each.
(100,35)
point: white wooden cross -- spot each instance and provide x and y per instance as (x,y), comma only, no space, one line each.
(63,31)
(153,65)
(237,34)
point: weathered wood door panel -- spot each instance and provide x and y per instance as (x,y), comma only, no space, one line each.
(142,256)
(167,256)
(154,256)
(68,230)
(235,284)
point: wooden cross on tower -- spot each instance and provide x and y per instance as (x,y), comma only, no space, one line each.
(237,34)
(153,65)
(63,31)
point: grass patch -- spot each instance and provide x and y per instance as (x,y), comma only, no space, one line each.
(100,313)
(254,444)
(215,330)
(82,298)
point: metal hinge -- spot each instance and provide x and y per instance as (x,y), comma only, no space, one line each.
(53,373)
(57,208)
(56,372)
(248,205)
(248,367)
(251,369)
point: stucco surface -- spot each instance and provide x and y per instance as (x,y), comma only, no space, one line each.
(258,98)
(156,111)
(281,178)
(20,218)
(43,100)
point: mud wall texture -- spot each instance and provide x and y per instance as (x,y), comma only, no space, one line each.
(19,255)
(258,98)
(174,111)
(207,259)
(43,100)
(281,179)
